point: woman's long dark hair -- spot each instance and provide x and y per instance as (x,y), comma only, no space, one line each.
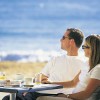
(94,42)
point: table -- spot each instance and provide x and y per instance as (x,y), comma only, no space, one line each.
(41,87)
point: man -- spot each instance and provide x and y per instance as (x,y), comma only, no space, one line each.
(63,68)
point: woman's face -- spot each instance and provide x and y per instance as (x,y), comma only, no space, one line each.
(87,49)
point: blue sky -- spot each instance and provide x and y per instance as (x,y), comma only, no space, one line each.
(30,15)
(44,18)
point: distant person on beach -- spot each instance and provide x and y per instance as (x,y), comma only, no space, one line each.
(90,83)
(63,68)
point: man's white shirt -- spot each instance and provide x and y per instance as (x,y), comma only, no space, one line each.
(64,68)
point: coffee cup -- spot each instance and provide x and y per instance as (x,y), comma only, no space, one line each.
(19,77)
(28,81)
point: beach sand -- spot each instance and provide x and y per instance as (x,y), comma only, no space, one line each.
(27,69)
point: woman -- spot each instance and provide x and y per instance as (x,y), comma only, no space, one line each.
(85,89)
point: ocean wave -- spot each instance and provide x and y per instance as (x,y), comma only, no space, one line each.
(32,56)
(28,56)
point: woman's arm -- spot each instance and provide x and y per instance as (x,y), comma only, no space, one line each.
(68,84)
(91,87)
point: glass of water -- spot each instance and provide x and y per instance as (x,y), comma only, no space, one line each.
(37,78)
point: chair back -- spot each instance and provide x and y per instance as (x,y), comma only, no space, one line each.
(97,93)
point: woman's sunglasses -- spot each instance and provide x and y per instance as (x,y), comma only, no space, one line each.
(85,47)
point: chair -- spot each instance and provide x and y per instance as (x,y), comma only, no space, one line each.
(94,96)
(97,93)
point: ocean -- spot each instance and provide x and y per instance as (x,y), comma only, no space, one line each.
(30,30)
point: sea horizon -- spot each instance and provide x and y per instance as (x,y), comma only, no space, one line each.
(37,26)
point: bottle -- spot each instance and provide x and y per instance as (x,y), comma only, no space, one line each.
(2,76)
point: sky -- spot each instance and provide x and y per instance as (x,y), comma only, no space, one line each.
(28,15)
(25,20)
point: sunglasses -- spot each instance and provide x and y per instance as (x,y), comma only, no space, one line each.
(85,47)
(65,37)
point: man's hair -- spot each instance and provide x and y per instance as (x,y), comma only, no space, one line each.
(94,42)
(77,35)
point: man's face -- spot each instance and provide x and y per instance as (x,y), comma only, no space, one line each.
(65,41)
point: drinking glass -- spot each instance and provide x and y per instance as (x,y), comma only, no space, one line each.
(38,78)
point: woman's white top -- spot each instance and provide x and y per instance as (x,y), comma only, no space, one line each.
(94,73)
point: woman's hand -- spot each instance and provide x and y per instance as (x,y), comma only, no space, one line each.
(45,82)
(61,95)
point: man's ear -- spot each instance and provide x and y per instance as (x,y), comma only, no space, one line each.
(72,41)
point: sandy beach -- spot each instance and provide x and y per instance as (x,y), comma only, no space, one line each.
(27,69)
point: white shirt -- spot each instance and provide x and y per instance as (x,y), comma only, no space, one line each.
(63,68)
(94,73)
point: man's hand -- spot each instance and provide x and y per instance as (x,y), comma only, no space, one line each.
(24,94)
(44,78)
